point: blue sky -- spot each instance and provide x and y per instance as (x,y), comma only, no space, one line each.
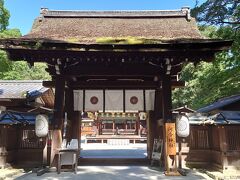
(23,12)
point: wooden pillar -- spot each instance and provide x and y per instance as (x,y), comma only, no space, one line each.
(57,119)
(113,125)
(153,131)
(223,147)
(69,102)
(167,118)
(76,123)
(45,159)
(167,99)
(137,125)
(151,125)
(73,116)
(158,113)
(3,145)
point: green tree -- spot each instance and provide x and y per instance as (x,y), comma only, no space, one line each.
(218,12)
(16,70)
(208,82)
(20,70)
(5,64)
(4,16)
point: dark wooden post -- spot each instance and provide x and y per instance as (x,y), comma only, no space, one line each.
(45,142)
(69,106)
(167,116)
(150,134)
(76,123)
(57,118)
(74,117)
(167,98)
(3,145)
(153,131)
(223,147)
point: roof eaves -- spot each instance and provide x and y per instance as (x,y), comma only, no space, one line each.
(220,103)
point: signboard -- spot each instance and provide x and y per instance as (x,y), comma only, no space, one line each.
(170,138)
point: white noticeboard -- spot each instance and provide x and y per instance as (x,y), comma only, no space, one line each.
(157,149)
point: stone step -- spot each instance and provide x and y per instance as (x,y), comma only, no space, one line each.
(113,161)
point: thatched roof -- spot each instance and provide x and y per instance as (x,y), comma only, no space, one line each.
(92,27)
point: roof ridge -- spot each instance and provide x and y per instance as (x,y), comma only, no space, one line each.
(183,12)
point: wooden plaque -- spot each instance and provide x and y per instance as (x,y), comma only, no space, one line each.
(170,138)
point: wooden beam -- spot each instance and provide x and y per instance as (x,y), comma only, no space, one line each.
(121,70)
(41,55)
(118,84)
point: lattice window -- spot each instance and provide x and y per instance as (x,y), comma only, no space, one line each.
(199,138)
(215,139)
(29,140)
(233,138)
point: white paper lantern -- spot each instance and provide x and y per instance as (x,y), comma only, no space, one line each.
(182,126)
(41,125)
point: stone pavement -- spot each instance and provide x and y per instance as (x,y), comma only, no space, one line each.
(96,150)
(106,172)
(8,173)
(112,173)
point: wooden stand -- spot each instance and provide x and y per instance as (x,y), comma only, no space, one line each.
(170,149)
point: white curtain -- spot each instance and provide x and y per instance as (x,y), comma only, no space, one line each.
(78,100)
(150,98)
(98,96)
(134,100)
(114,100)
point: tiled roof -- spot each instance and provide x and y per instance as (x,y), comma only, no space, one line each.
(183,109)
(88,26)
(21,89)
(13,117)
(222,117)
(220,103)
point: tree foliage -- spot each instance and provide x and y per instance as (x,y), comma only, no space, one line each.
(20,70)
(16,70)
(208,82)
(218,12)
(4,16)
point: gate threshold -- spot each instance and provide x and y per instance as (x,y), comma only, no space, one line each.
(102,161)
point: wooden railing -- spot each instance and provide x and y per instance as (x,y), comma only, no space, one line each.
(233,138)
(29,140)
(199,138)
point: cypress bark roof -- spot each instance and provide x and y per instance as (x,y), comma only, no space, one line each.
(89,27)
